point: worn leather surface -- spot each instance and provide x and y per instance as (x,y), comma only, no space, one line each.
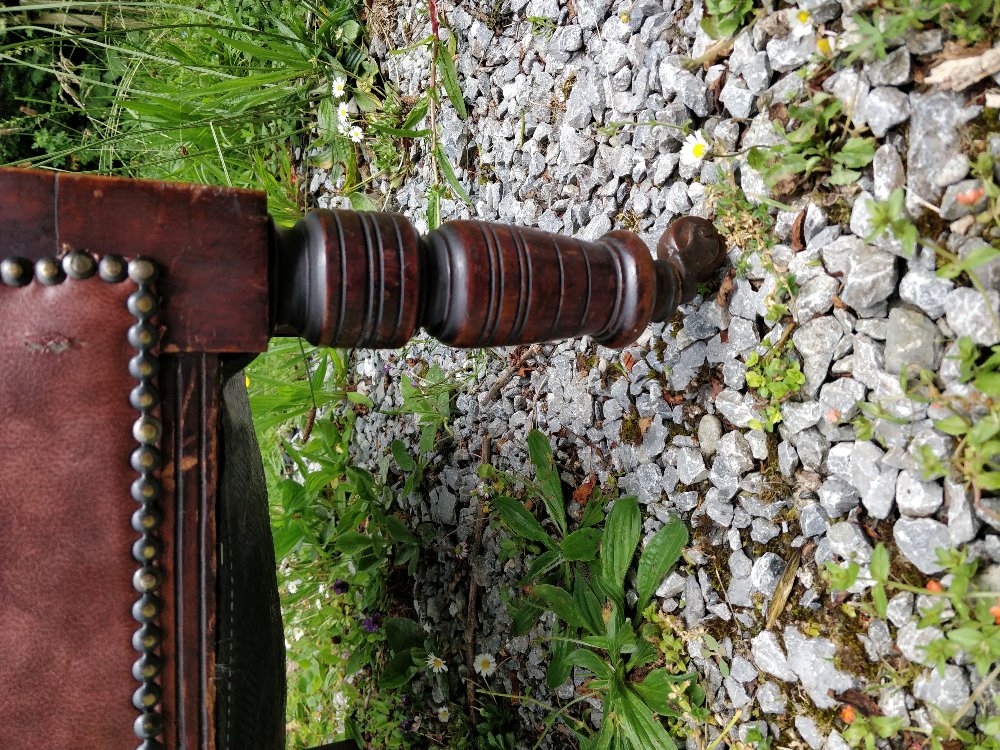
(250,667)
(65,535)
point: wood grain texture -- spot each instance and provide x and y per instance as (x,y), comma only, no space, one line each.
(190,387)
(367,280)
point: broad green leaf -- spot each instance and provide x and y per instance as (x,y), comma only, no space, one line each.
(886,726)
(560,601)
(542,565)
(361,202)
(953,425)
(968,637)
(640,726)
(402,633)
(589,605)
(987,480)
(398,671)
(547,478)
(656,689)
(880,563)
(856,153)
(520,521)
(433,208)
(402,456)
(559,667)
(622,530)
(663,550)
(352,542)
(984,430)
(988,383)
(418,113)
(449,78)
(978,256)
(590,661)
(643,654)
(582,544)
(400,132)
(880,600)
(399,531)
(525,617)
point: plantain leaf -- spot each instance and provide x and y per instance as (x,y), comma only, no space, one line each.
(560,601)
(663,550)
(582,544)
(621,535)
(520,521)
(547,478)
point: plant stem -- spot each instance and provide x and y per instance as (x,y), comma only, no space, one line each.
(727,729)
(976,695)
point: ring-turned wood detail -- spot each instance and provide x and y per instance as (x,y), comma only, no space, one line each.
(143,336)
(341,278)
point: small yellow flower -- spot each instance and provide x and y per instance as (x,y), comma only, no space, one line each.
(248,380)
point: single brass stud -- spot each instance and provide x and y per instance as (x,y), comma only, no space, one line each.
(146,519)
(147,637)
(143,335)
(144,397)
(145,459)
(143,366)
(145,550)
(147,430)
(142,304)
(141,270)
(79,265)
(49,271)
(146,608)
(147,726)
(147,579)
(111,269)
(15,271)
(146,696)
(145,489)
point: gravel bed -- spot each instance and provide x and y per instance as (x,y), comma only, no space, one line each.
(541,148)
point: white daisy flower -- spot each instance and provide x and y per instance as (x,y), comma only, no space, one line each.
(695,149)
(297,633)
(485,664)
(338,87)
(343,113)
(293,586)
(444,714)
(801,23)
(436,664)
(355,134)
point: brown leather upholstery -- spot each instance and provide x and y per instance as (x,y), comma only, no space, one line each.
(66,567)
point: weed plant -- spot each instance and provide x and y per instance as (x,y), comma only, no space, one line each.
(581,575)
(969,619)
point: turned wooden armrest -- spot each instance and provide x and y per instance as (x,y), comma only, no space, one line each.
(369,280)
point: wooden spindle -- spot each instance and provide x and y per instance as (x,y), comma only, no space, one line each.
(341,278)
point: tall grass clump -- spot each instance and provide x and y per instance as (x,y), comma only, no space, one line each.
(219,92)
